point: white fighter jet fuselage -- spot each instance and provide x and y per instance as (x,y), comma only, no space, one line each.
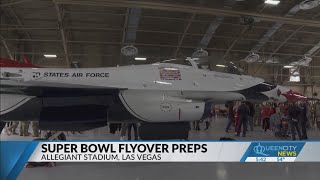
(161,92)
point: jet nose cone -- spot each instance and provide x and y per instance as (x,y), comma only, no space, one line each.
(293,96)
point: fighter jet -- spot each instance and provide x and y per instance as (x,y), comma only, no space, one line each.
(161,95)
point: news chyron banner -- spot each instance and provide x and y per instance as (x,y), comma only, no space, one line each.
(15,154)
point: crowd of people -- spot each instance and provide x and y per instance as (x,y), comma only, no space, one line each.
(22,128)
(12,128)
(284,119)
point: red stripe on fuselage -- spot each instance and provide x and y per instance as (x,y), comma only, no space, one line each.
(294,96)
(11,63)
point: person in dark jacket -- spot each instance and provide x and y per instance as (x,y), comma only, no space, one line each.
(251,114)
(294,116)
(243,112)
(304,119)
(257,115)
(230,116)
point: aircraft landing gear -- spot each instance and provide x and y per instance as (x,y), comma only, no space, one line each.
(164,131)
(58,135)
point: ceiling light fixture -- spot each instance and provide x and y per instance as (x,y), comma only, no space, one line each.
(273,2)
(251,58)
(140,59)
(288,66)
(50,55)
(220,65)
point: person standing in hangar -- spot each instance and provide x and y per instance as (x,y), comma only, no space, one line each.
(243,113)
(251,115)
(124,128)
(265,114)
(135,131)
(304,119)
(230,115)
(12,128)
(257,115)
(294,117)
(236,116)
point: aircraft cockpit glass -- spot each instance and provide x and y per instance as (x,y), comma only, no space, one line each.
(180,61)
(228,67)
(204,63)
(233,69)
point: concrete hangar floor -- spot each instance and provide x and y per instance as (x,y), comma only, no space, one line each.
(174,171)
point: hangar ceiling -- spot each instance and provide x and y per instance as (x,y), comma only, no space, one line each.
(93,32)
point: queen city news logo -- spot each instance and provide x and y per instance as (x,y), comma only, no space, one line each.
(260,150)
(281,149)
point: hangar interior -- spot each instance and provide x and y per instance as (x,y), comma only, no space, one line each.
(262,38)
(277,42)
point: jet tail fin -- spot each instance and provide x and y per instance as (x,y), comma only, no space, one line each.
(11,63)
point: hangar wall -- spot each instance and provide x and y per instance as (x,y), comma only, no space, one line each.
(306,90)
(271,73)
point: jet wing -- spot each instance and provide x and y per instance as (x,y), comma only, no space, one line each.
(54,89)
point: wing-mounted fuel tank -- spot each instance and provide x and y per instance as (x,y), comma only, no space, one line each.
(157,106)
